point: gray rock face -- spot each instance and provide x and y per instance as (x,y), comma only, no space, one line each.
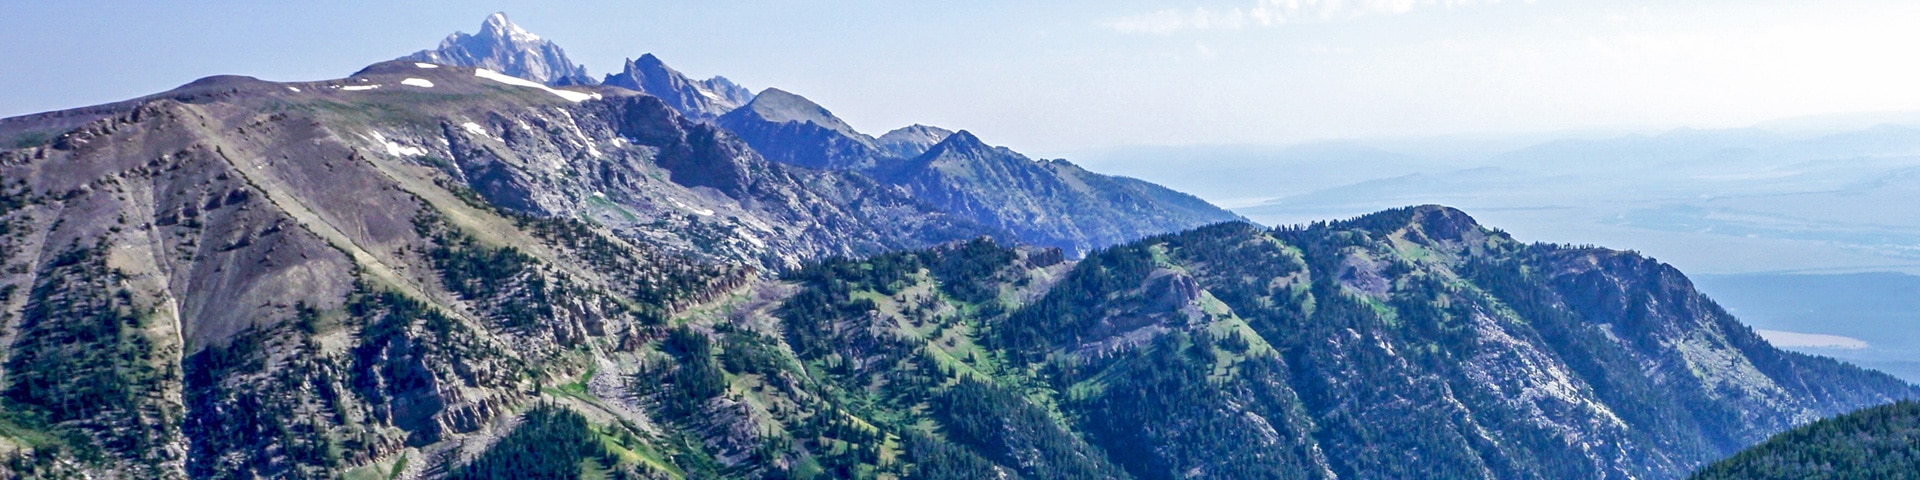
(504,47)
(399,263)
(911,141)
(1053,202)
(791,129)
(697,99)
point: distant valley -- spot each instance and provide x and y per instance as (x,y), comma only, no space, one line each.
(1709,201)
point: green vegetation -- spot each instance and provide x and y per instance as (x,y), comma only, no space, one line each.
(1160,415)
(550,443)
(656,284)
(31,139)
(1015,432)
(83,368)
(1074,306)
(1371,361)
(698,376)
(503,277)
(1407,344)
(1874,443)
(407,350)
(251,419)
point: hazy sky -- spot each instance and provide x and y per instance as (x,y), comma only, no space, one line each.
(1067,75)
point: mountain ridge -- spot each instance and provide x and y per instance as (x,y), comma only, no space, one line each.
(700,99)
(912,140)
(437,271)
(792,129)
(788,128)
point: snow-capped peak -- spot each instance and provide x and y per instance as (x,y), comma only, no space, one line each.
(504,47)
(499,26)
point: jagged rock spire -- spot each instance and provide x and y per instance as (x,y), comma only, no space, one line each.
(504,47)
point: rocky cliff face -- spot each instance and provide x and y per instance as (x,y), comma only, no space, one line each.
(504,47)
(1051,203)
(697,99)
(295,279)
(790,129)
(912,140)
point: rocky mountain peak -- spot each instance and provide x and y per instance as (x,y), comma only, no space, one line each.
(507,48)
(912,140)
(1444,223)
(780,106)
(965,144)
(648,61)
(791,129)
(1433,222)
(498,26)
(699,99)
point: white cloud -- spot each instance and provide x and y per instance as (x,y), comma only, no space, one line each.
(1810,340)
(1204,50)
(1267,13)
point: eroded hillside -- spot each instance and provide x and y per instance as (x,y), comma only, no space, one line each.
(428,271)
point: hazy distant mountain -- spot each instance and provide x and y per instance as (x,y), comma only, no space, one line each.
(1051,202)
(790,129)
(697,99)
(1241,175)
(912,140)
(504,47)
(1882,306)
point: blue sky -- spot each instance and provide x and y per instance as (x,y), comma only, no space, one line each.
(1066,75)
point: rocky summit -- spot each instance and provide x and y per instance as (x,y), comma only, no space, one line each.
(699,99)
(911,141)
(504,47)
(455,270)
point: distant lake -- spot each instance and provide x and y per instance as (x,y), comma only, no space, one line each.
(1882,309)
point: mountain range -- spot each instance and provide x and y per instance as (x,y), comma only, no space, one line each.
(472,263)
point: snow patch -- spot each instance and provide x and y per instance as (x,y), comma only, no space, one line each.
(512,30)
(425,65)
(695,210)
(295,90)
(357,88)
(1810,340)
(476,129)
(575,97)
(584,140)
(418,82)
(396,149)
